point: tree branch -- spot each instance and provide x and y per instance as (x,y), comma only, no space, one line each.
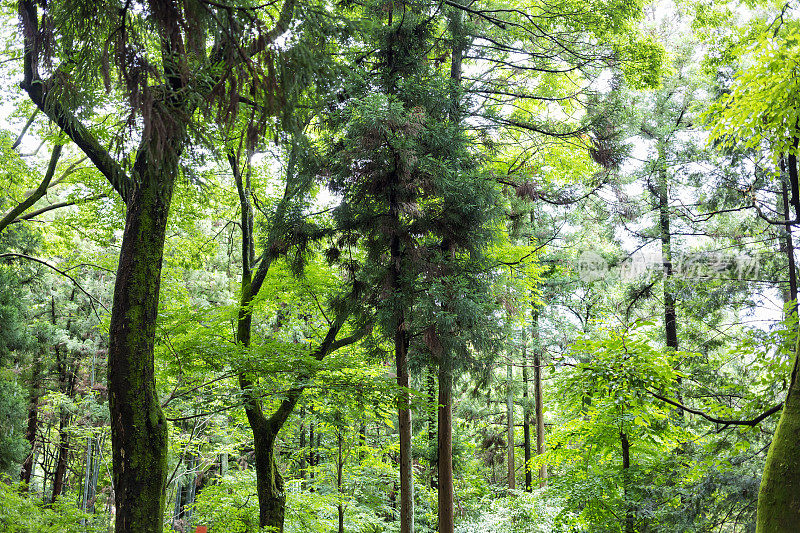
(724,422)
(58,205)
(55,111)
(91,298)
(38,193)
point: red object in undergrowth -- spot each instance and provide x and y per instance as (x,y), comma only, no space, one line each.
(201,529)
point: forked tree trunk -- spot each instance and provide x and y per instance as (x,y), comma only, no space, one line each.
(269,481)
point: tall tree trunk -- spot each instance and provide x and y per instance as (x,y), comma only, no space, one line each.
(138,426)
(526,414)
(269,481)
(787,246)
(339,477)
(537,396)
(66,383)
(311,447)
(445,444)
(511,462)
(626,465)
(445,418)
(302,466)
(33,418)
(779,495)
(89,487)
(670,319)
(404,428)
(401,343)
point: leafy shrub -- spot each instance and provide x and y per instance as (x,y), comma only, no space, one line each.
(22,513)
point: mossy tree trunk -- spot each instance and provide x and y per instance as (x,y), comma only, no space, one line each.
(138,426)
(779,495)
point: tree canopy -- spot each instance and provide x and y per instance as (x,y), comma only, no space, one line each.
(398,266)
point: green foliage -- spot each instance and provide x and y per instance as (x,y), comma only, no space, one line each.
(760,106)
(13,446)
(609,399)
(516,512)
(23,513)
(229,505)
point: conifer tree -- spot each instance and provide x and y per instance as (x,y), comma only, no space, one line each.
(414,195)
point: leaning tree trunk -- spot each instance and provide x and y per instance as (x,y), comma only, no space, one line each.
(138,426)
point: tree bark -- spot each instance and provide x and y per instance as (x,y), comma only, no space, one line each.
(526,415)
(302,466)
(538,398)
(138,426)
(670,318)
(66,383)
(404,428)
(445,444)
(269,481)
(339,477)
(512,482)
(787,246)
(626,465)
(445,418)
(33,419)
(779,495)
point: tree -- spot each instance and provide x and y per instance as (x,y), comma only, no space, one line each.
(165,83)
(759,109)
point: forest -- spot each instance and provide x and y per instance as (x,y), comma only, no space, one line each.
(402,266)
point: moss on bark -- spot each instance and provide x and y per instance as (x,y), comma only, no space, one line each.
(138,425)
(779,496)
